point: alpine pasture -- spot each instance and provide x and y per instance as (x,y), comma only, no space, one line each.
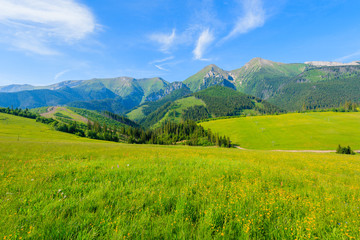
(58,186)
(302,131)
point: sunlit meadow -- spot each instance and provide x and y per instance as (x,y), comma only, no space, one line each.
(57,186)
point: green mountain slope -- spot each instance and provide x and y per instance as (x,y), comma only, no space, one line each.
(116,105)
(222,101)
(318,94)
(125,86)
(70,114)
(39,98)
(171,111)
(207,77)
(262,78)
(25,87)
(215,101)
(147,108)
(290,86)
(115,94)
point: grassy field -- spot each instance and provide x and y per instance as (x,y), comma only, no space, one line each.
(19,129)
(318,131)
(57,186)
(64,113)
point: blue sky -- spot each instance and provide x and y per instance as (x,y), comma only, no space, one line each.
(43,42)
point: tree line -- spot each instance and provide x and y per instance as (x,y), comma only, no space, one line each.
(19,112)
(187,132)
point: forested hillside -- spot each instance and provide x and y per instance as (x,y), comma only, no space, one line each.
(142,111)
(324,87)
(222,101)
(215,101)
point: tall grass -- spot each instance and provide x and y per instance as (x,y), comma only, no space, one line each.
(93,190)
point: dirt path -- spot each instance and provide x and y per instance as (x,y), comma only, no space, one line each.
(306,151)
(50,110)
(299,151)
(240,148)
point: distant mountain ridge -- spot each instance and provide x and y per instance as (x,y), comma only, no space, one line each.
(124,92)
(26,87)
(313,84)
(332,64)
(291,86)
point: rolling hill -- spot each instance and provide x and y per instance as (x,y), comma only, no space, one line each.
(56,185)
(319,131)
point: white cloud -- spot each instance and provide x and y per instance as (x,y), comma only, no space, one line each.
(203,42)
(254,16)
(34,25)
(166,41)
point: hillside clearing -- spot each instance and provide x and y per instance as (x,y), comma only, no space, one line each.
(63,113)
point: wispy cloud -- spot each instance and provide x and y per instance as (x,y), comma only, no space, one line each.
(205,25)
(58,75)
(35,25)
(162,60)
(159,63)
(254,16)
(166,64)
(350,57)
(161,67)
(203,42)
(165,41)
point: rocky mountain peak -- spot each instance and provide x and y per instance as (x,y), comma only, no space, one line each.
(259,62)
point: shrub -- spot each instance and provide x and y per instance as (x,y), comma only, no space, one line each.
(344,150)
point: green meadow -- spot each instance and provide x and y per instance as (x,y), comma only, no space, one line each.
(58,186)
(313,131)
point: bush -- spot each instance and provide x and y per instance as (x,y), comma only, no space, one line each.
(344,150)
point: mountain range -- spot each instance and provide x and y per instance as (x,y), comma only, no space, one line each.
(287,86)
